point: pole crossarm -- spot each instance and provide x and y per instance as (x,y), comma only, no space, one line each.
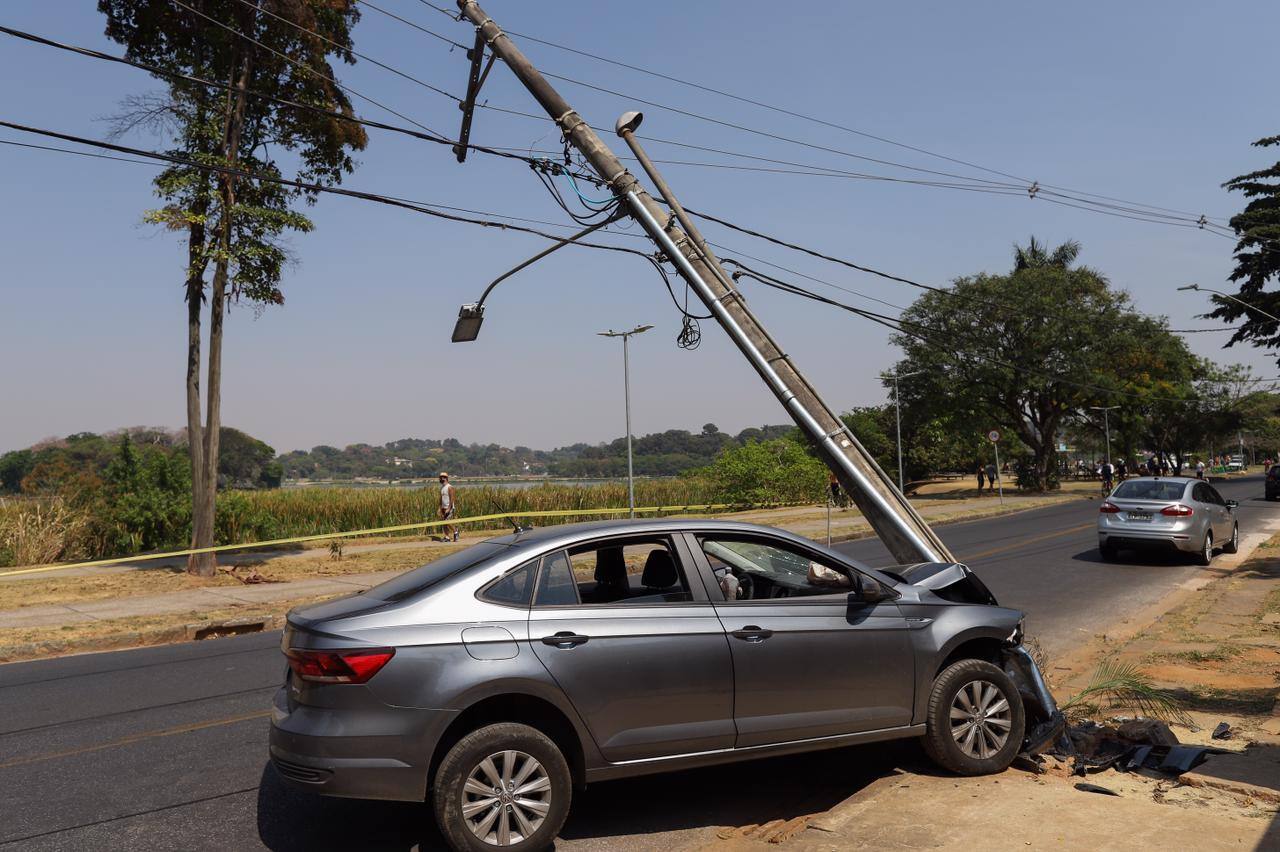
(897,523)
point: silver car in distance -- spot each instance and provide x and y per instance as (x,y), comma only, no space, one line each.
(495,680)
(1170,513)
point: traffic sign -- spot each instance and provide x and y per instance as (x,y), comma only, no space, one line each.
(993,436)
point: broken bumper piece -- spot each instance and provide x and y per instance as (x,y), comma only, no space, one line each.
(1045,722)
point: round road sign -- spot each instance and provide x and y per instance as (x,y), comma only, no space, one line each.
(993,436)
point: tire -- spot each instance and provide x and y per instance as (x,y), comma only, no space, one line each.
(1205,556)
(1233,544)
(968,749)
(496,744)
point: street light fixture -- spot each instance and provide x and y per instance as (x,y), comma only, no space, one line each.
(897,405)
(1253,308)
(1106,422)
(626,391)
(471,315)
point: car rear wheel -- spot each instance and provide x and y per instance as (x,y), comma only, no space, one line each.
(1205,556)
(976,721)
(503,786)
(1233,545)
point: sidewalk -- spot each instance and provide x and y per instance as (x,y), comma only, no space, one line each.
(1217,647)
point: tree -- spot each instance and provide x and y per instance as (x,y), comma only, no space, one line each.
(246,462)
(1257,255)
(235,228)
(766,471)
(1023,351)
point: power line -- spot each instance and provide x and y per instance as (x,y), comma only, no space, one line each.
(908,328)
(810,118)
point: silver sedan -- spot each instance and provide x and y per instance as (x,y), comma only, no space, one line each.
(1171,512)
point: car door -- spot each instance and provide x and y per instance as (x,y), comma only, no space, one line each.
(1222,517)
(636,647)
(806,662)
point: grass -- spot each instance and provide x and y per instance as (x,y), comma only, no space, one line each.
(1220,654)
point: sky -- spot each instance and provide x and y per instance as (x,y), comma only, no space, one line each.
(1149,101)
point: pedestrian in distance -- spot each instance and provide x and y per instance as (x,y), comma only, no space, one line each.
(448,507)
(1108,475)
(1122,470)
(991,477)
(982,478)
(1199,469)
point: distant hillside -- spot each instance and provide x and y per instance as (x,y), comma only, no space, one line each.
(660,454)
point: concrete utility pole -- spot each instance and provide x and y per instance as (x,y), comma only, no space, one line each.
(897,408)
(626,394)
(894,519)
(1106,424)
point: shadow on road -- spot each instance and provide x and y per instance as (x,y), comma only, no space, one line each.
(1135,558)
(734,795)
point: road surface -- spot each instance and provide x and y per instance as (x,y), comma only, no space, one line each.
(165,747)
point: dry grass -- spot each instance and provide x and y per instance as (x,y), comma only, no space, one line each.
(38,532)
(150,581)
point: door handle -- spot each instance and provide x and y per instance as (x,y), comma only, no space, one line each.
(751,633)
(565,640)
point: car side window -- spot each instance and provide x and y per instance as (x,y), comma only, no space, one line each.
(556,586)
(628,572)
(1199,493)
(515,588)
(752,569)
(1214,496)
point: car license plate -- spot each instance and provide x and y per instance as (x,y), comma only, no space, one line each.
(1138,516)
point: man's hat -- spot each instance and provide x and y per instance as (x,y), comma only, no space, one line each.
(444,475)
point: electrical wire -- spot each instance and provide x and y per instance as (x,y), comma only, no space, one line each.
(911,329)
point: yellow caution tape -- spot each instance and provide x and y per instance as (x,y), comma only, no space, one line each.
(253,545)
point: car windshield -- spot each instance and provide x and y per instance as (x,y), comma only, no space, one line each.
(1150,489)
(419,579)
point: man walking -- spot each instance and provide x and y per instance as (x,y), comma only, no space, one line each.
(982,478)
(991,477)
(448,507)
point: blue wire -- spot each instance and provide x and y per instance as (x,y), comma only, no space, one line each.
(573,183)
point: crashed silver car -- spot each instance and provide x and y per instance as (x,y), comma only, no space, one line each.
(495,680)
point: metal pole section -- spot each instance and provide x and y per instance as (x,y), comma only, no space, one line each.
(999,478)
(1106,425)
(897,523)
(828,518)
(897,412)
(626,392)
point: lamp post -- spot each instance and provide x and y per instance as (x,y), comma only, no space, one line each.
(897,406)
(626,392)
(1106,423)
(1253,308)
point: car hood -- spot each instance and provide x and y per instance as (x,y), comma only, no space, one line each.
(951,581)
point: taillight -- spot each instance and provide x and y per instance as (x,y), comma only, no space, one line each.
(1108,508)
(1177,510)
(355,666)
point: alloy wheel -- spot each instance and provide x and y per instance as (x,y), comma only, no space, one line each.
(980,719)
(506,797)
(1235,537)
(1208,548)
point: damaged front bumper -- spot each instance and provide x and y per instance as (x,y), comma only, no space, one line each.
(1045,722)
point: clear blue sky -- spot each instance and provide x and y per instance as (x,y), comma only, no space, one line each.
(1151,101)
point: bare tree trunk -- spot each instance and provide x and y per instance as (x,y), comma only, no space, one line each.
(204,494)
(195,431)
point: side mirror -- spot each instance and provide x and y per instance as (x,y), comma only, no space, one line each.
(866,591)
(1233,504)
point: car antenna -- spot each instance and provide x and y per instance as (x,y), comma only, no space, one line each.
(502,510)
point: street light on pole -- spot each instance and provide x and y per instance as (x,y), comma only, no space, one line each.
(626,391)
(1253,308)
(897,405)
(1106,421)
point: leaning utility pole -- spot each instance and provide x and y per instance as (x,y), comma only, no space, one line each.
(897,523)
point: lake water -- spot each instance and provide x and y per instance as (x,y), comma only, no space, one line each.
(460,483)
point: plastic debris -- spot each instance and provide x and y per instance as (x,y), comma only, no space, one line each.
(1095,788)
(1222,732)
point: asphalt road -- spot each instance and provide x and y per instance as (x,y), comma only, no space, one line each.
(165,748)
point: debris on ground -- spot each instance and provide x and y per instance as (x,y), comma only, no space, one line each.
(1095,788)
(1135,744)
(1222,732)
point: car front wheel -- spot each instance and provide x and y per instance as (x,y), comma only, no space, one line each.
(976,720)
(503,786)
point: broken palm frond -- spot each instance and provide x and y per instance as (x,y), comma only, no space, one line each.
(1119,684)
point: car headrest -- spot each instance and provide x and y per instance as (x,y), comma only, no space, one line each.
(611,568)
(659,571)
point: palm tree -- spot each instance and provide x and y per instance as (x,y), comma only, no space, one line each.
(1037,255)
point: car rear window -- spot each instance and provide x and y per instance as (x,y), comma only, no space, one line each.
(420,579)
(1150,489)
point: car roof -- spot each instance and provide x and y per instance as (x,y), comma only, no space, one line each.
(1182,479)
(564,534)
